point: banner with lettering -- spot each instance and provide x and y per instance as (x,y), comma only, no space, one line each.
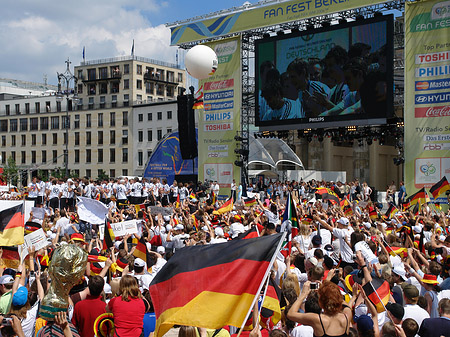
(220,119)
(251,18)
(427,94)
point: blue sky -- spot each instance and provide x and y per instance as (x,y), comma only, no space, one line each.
(38,36)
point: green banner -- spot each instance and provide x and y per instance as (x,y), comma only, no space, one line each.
(427,93)
(262,17)
(220,119)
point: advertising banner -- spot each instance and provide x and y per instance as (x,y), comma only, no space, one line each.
(427,93)
(220,120)
(262,17)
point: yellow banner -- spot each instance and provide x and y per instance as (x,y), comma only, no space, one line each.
(220,119)
(262,17)
(427,94)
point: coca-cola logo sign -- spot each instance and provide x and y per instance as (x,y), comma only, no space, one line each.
(218,85)
(435,111)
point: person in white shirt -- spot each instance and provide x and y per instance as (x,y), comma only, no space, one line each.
(41,191)
(183,191)
(53,194)
(215,188)
(173,192)
(412,309)
(33,191)
(233,190)
(165,192)
(120,192)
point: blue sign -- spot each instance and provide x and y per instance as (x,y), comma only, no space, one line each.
(433,98)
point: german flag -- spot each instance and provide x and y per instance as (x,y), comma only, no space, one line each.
(400,251)
(108,236)
(10,258)
(12,226)
(31,226)
(251,233)
(192,195)
(307,220)
(271,310)
(250,202)
(439,188)
(391,211)
(96,258)
(223,279)
(178,203)
(140,207)
(198,99)
(226,207)
(420,197)
(141,250)
(331,196)
(378,292)
(321,190)
(373,213)
(406,205)
(348,211)
(194,223)
(343,203)
(213,197)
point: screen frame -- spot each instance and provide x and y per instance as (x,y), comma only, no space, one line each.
(331,121)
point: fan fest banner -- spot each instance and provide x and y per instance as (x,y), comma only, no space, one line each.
(221,117)
(262,17)
(427,94)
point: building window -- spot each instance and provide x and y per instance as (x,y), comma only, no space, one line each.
(149,116)
(159,135)
(44,156)
(88,155)
(141,117)
(27,108)
(7,110)
(114,101)
(100,155)
(126,68)
(100,137)
(13,155)
(44,123)
(160,89)
(54,123)
(4,125)
(37,107)
(115,87)
(34,124)
(17,109)
(124,155)
(112,155)
(139,84)
(112,119)
(91,103)
(44,139)
(149,88)
(13,125)
(100,120)
(23,140)
(77,138)
(102,102)
(23,157)
(180,77)
(139,69)
(33,157)
(58,106)
(33,139)
(80,88)
(140,136)
(112,137)
(159,115)
(126,99)
(3,141)
(140,158)
(124,118)
(55,156)
(103,73)
(77,122)
(65,138)
(112,173)
(149,135)
(169,114)
(170,91)
(23,124)
(91,89)
(124,137)
(13,140)
(139,98)
(88,121)
(48,106)
(169,131)
(88,138)
(3,157)
(55,138)
(126,84)
(65,122)
(77,156)
(91,74)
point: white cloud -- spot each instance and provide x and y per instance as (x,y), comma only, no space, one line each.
(38,36)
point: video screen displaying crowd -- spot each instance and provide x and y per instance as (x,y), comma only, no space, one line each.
(335,252)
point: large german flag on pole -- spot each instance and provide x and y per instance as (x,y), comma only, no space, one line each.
(212,286)
(12,226)
(420,197)
(439,188)
(108,236)
(226,207)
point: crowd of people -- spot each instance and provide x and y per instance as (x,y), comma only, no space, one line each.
(338,248)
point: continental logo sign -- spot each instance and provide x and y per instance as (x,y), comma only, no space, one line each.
(261,17)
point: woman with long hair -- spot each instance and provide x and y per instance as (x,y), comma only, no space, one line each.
(128,308)
(334,320)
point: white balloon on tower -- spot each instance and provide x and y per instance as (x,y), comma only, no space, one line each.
(201,61)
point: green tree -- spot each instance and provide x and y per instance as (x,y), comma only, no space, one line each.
(11,171)
(102,175)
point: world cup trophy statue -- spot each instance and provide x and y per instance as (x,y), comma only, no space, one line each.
(67,267)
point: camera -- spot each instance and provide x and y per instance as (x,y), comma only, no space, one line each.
(7,321)
(313,286)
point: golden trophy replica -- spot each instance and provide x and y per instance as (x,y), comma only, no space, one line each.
(67,267)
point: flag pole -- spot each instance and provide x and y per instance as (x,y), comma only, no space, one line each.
(263,281)
(390,248)
(377,296)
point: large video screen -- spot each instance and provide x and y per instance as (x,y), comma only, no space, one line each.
(335,76)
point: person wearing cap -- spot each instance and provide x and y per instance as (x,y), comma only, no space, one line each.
(397,312)
(218,236)
(412,309)
(86,311)
(6,285)
(144,279)
(179,238)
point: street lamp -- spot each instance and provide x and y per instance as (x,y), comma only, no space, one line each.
(64,80)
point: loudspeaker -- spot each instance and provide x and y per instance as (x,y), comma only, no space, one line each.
(186,127)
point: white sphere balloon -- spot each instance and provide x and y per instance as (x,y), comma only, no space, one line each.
(201,62)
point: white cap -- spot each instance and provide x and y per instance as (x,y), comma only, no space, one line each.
(166,218)
(139,262)
(205,228)
(219,231)
(117,244)
(161,250)
(168,227)
(417,229)
(107,288)
(400,271)
(344,221)
(179,227)
(236,229)
(368,225)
